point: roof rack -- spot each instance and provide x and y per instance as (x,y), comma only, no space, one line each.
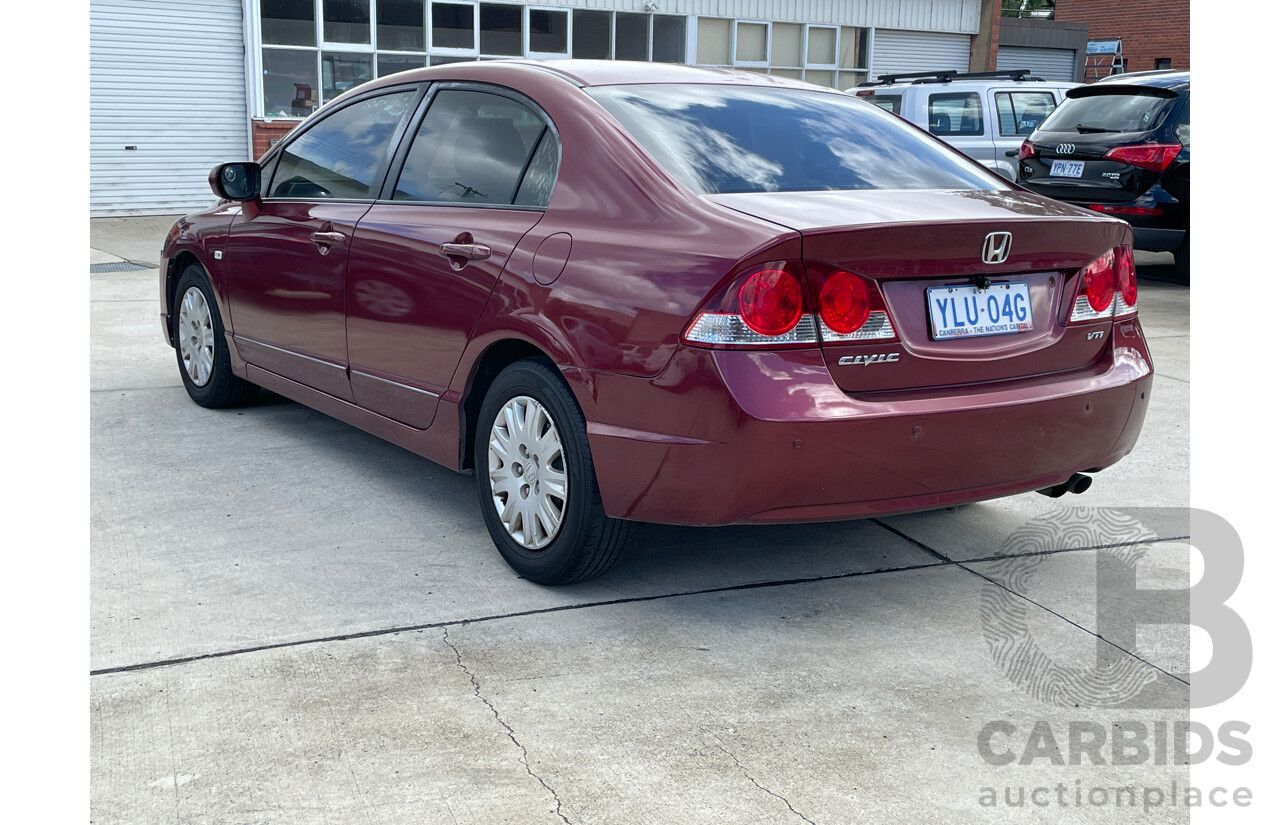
(948,76)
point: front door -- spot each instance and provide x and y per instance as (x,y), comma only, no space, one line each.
(287,252)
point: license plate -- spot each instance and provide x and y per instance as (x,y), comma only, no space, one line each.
(969,312)
(1066,169)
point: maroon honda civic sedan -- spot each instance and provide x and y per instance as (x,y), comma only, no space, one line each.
(621,292)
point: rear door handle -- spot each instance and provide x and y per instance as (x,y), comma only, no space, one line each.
(324,240)
(468,251)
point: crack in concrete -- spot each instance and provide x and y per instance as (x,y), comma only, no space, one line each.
(963,566)
(753,781)
(511,734)
(418,628)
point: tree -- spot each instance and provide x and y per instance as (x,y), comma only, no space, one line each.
(1024,8)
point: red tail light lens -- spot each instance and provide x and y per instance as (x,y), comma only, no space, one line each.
(771,302)
(1026,150)
(1100,282)
(1126,281)
(1153,156)
(843,303)
(1108,288)
(764,307)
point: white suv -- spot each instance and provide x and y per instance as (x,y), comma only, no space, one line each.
(986,115)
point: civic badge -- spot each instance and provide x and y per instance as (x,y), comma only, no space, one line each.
(996,247)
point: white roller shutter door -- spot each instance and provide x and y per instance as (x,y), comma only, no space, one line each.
(902,51)
(1050,64)
(167,79)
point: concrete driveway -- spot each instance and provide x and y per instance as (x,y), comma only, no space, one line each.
(295,622)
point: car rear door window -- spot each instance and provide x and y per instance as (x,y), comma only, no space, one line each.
(955,114)
(540,178)
(472,148)
(344,155)
(1021,112)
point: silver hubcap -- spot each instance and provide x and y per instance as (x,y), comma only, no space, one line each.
(527,472)
(195,337)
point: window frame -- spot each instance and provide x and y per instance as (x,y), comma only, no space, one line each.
(982,115)
(386,195)
(768,44)
(440,51)
(1013,110)
(274,154)
(527,33)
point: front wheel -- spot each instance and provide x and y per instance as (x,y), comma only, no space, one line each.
(203,359)
(537,482)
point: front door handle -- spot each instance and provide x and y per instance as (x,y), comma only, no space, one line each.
(470,251)
(325,240)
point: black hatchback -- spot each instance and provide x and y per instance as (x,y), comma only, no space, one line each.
(1122,147)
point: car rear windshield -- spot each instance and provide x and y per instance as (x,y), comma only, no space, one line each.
(1130,111)
(730,139)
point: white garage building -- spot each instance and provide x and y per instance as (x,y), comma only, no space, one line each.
(178,85)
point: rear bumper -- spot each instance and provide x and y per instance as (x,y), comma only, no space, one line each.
(1157,240)
(732,437)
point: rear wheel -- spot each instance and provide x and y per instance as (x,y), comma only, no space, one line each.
(1182,257)
(537,482)
(203,359)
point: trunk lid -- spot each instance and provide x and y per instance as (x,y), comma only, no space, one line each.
(909,241)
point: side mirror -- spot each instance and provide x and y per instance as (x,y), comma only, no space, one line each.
(236,181)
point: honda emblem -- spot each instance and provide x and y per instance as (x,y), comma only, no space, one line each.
(996,247)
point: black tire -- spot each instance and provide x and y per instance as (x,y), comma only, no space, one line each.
(220,388)
(1182,257)
(588,542)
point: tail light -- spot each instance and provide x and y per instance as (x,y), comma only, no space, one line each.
(768,306)
(1108,288)
(1126,282)
(765,306)
(1026,150)
(1153,156)
(850,307)
(1121,209)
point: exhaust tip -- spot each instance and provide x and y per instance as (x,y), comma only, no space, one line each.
(1077,484)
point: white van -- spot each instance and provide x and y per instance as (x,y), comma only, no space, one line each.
(986,115)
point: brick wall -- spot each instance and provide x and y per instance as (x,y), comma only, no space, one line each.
(1149,29)
(266,131)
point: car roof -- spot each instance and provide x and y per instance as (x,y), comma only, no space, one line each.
(1160,78)
(608,73)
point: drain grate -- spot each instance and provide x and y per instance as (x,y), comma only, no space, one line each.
(118,266)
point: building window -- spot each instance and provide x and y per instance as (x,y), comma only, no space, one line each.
(314,50)
(346,21)
(501,30)
(549,32)
(453,26)
(401,26)
(832,56)
(593,34)
(1163,63)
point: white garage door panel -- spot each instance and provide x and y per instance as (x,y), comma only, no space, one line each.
(1050,64)
(900,52)
(168,78)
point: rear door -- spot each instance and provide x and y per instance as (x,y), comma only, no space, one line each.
(287,252)
(473,179)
